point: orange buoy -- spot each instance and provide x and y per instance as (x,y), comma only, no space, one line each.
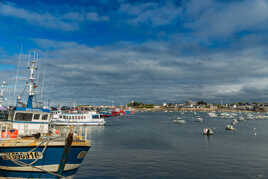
(4,134)
(13,133)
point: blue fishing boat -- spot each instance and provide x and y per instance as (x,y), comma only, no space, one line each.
(43,157)
(31,148)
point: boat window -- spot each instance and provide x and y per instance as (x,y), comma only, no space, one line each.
(95,116)
(61,116)
(23,116)
(36,116)
(78,117)
(44,117)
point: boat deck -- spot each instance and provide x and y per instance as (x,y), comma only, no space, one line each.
(31,142)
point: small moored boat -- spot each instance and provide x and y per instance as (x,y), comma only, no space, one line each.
(179,121)
(198,119)
(229,127)
(207,131)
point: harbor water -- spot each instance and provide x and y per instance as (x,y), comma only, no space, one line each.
(150,145)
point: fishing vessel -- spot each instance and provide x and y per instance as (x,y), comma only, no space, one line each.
(31,148)
(77,117)
(42,156)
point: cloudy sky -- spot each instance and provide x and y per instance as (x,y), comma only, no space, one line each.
(154,51)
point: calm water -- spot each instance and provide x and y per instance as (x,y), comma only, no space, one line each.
(150,145)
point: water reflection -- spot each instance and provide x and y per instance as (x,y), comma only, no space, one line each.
(207,138)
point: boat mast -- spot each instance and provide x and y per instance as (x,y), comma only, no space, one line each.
(2,99)
(31,82)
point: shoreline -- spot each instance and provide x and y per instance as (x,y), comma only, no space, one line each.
(193,110)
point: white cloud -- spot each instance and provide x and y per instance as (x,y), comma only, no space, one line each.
(151,13)
(44,20)
(225,19)
(69,21)
(158,73)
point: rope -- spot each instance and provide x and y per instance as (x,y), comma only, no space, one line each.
(22,164)
(44,149)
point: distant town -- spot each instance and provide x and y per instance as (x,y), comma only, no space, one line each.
(187,106)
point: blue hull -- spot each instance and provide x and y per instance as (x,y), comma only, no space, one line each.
(51,159)
(14,174)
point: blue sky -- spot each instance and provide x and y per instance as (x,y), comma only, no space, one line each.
(104,51)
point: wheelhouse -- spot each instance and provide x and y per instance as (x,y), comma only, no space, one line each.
(30,122)
(30,116)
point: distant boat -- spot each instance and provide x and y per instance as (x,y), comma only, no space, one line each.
(234,122)
(117,112)
(77,117)
(241,118)
(179,121)
(212,114)
(198,119)
(104,114)
(207,131)
(129,111)
(229,127)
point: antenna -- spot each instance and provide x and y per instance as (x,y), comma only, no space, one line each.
(17,73)
(43,84)
(31,81)
(3,87)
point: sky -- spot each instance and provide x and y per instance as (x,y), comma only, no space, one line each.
(153,51)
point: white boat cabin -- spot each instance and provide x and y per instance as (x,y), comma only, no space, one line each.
(30,122)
